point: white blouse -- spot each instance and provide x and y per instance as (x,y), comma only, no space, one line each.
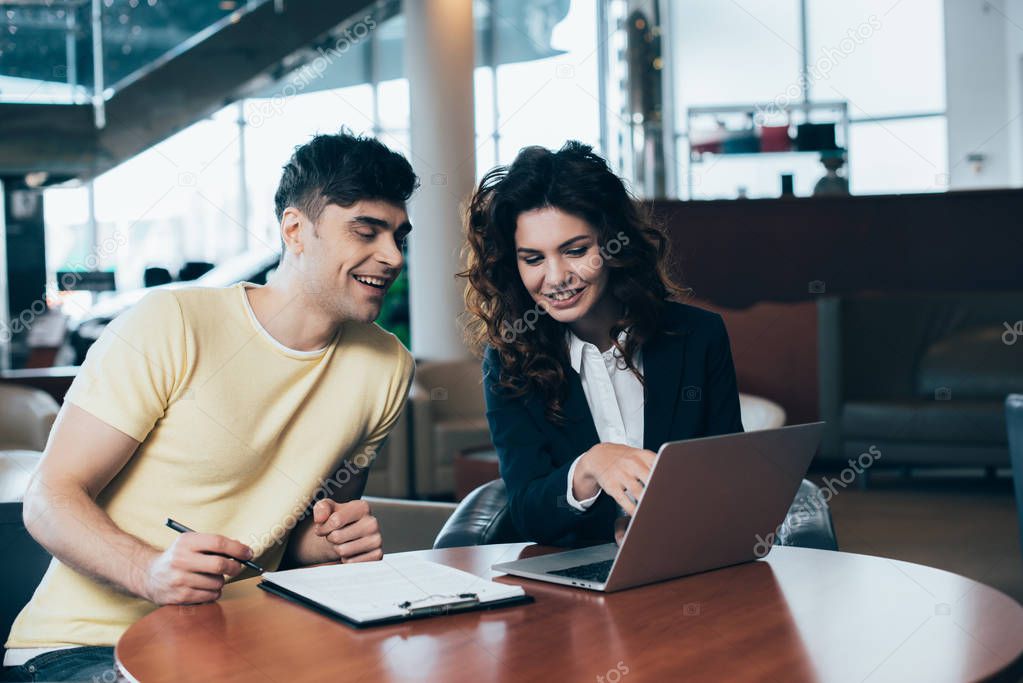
(614,395)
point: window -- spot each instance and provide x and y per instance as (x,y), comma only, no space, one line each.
(886,60)
(739,52)
(276,125)
(910,155)
(553,99)
(177,201)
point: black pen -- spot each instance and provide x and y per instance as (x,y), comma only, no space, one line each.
(181,529)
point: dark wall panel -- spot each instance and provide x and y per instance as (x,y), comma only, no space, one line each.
(738,252)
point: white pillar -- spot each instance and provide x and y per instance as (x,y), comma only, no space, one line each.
(1014,19)
(980,115)
(439,60)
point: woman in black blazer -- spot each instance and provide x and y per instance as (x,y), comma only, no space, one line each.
(588,367)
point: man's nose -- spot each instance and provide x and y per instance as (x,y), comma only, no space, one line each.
(390,255)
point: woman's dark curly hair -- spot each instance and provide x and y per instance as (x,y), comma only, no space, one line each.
(502,314)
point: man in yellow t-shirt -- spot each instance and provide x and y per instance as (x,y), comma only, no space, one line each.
(250,414)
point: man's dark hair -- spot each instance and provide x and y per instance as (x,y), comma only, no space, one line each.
(342,169)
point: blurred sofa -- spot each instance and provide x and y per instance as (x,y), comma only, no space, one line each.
(448,416)
(26,415)
(923,377)
(390,475)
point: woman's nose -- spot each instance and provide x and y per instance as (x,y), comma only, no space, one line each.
(557,274)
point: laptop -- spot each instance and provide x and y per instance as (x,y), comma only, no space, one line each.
(709,503)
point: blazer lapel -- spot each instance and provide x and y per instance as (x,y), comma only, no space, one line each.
(663,362)
(578,430)
(578,418)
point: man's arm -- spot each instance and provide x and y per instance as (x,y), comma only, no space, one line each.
(341,527)
(82,456)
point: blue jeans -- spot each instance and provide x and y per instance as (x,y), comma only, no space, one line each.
(89,664)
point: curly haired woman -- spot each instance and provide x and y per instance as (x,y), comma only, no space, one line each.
(588,366)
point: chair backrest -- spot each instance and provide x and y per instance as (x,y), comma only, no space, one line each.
(482,518)
(24,564)
(24,560)
(1014,420)
(26,415)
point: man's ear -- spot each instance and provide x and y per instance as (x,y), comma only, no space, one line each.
(291,229)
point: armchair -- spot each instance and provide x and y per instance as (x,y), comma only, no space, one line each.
(1014,417)
(26,415)
(389,475)
(483,518)
(25,561)
(448,416)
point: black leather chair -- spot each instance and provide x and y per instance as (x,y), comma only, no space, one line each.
(482,518)
(24,561)
(1014,419)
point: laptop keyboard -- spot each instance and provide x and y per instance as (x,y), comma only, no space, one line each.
(595,571)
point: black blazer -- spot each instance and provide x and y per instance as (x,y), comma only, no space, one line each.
(690,392)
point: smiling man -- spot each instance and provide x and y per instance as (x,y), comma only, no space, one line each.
(225,409)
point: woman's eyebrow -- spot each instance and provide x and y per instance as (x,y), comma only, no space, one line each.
(564,244)
(574,239)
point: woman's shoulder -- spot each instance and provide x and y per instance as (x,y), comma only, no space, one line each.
(690,319)
(491,370)
(491,364)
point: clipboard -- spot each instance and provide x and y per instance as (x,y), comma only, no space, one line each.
(455,606)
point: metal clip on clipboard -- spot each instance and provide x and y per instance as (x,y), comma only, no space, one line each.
(460,602)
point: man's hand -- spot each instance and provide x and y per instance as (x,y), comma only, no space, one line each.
(620,471)
(352,531)
(193,569)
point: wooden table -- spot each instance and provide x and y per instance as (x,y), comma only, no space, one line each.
(797,615)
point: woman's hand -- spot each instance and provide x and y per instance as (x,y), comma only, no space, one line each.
(621,471)
(621,526)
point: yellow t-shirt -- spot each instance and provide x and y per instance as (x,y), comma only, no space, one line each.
(238,433)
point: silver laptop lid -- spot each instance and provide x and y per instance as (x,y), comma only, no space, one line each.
(713,502)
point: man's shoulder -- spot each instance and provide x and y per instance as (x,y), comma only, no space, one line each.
(378,343)
(188,303)
(193,298)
